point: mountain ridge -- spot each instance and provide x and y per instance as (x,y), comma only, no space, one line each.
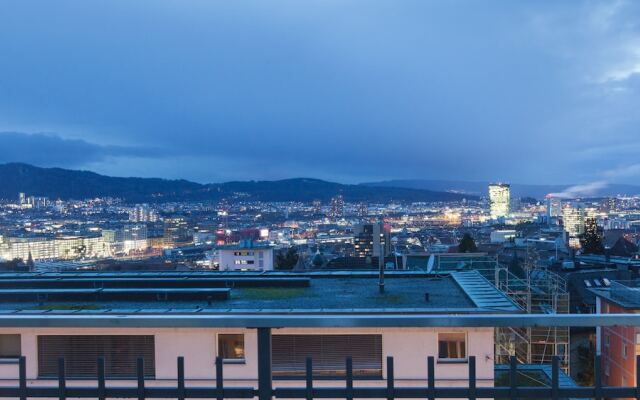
(81,184)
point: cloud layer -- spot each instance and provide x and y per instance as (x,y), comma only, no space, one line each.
(537,92)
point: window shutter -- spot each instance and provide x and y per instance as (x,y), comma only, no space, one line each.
(82,352)
(328,353)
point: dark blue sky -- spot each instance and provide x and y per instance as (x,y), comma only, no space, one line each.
(531,92)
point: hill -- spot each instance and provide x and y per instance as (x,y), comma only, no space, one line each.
(70,184)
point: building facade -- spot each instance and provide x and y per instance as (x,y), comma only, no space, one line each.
(499,200)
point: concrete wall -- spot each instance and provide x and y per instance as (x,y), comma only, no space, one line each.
(410,348)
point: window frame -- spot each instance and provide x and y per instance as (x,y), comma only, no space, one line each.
(462,360)
(242,360)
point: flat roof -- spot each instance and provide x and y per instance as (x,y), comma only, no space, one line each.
(461,293)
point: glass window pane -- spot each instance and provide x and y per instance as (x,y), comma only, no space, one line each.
(10,346)
(231,346)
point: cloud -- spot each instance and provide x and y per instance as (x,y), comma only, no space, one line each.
(47,149)
(588,189)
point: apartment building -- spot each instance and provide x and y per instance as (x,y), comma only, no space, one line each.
(245,317)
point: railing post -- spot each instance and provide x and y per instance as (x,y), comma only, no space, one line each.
(555,382)
(309,378)
(22,373)
(264,364)
(472,377)
(140,373)
(349,378)
(219,379)
(101,379)
(62,381)
(181,394)
(431,378)
(597,370)
(638,377)
(391,395)
(513,377)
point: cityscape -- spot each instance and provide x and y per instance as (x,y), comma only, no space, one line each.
(305,200)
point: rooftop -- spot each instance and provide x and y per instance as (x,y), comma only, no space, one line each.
(174,292)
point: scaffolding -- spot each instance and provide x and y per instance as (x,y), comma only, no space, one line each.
(537,291)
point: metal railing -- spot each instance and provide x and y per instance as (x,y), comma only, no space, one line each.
(265,389)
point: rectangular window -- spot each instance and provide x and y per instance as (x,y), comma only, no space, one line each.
(452,346)
(328,354)
(624,351)
(81,353)
(607,340)
(10,346)
(231,347)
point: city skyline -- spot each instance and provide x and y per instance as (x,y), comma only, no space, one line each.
(212,92)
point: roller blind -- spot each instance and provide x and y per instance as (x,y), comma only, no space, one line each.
(328,354)
(82,352)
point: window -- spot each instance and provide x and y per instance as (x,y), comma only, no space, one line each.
(452,346)
(607,339)
(81,353)
(231,347)
(10,346)
(624,351)
(328,354)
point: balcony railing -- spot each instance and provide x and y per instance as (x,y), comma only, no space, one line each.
(265,390)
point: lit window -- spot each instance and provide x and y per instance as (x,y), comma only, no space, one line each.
(452,346)
(10,346)
(231,347)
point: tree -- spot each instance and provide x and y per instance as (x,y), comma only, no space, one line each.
(467,244)
(288,259)
(591,240)
(586,355)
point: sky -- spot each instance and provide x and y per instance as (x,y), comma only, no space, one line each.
(349,91)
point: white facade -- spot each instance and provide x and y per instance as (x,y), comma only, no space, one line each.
(410,348)
(246,259)
(501,236)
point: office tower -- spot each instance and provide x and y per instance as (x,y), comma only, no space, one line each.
(337,207)
(574,217)
(22,198)
(499,198)
(554,207)
(371,239)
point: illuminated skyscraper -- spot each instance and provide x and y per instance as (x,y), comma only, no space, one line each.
(499,199)
(574,217)
(337,207)
(554,207)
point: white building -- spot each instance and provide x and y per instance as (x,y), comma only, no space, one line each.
(499,200)
(503,235)
(246,256)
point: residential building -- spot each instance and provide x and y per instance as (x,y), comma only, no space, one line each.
(200,316)
(246,256)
